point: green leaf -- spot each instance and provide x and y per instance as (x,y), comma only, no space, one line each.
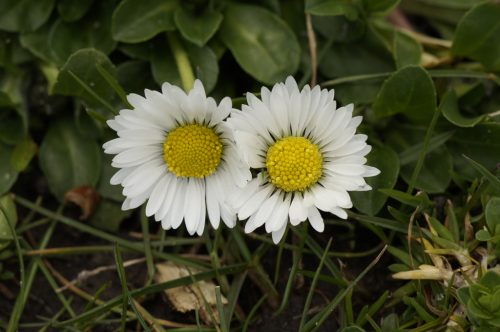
(407,51)
(478,33)
(421,201)
(198,29)
(387,161)
(435,174)
(450,109)
(380,6)
(104,187)
(9,215)
(109,215)
(483,235)
(136,21)
(69,159)
(412,153)
(141,72)
(94,31)
(24,15)
(352,329)
(72,10)
(493,180)
(8,174)
(37,42)
(331,8)
(481,143)
(262,43)
(12,122)
(409,91)
(203,60)
(83,65)
(492,213)
(22,154)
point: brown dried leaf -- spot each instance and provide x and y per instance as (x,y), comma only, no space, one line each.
(190,297)
(85,197)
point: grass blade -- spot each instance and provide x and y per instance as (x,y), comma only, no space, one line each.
(313,285)
(152,289)
(320,317)
(492,179)
(126,294)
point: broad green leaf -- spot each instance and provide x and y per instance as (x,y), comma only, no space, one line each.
(331,8)
(141,72)
(478,34)
(203,61)
(104,187)
(262,43)
(8,215)
(198,29)
(24,15)
(69,159)
(352,329)
(109,215)
(22,154)
(412,153)
(339,29)
(435,175)
(387,161)
(407,51)
(380,6)
(492,213)
(421,200)
(94,31)
(205,65)
(451,111)
(37,42)
(12,125)
(483,235)
(492,179)
(367,55)
(409,91)
(83,65)
(8,174)
(136,21)
(72,10)
(480,143)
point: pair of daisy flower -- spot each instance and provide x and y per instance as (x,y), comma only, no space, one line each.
(281,158)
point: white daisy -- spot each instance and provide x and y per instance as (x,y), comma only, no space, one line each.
(175,151)
(307,153)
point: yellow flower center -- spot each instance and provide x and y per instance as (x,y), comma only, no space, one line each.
(192,150)
(294,163)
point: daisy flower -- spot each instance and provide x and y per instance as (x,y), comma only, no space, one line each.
(175,151)
(307,155)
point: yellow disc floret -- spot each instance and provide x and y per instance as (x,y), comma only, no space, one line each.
(192,150)
(294,163)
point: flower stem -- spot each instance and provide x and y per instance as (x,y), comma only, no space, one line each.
(182,61)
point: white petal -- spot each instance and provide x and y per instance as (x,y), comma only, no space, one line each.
(280,214)
(157,196)
(194,194)
(254,202)
(371,171)
(297,212)
(278,235)
(315,219)
(339,212)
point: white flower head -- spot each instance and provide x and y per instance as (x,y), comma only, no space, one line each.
(175,151)
(307,153)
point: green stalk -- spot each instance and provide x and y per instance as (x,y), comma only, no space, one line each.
(182,61)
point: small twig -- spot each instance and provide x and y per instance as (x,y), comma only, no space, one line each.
(312,49)
(85,274)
